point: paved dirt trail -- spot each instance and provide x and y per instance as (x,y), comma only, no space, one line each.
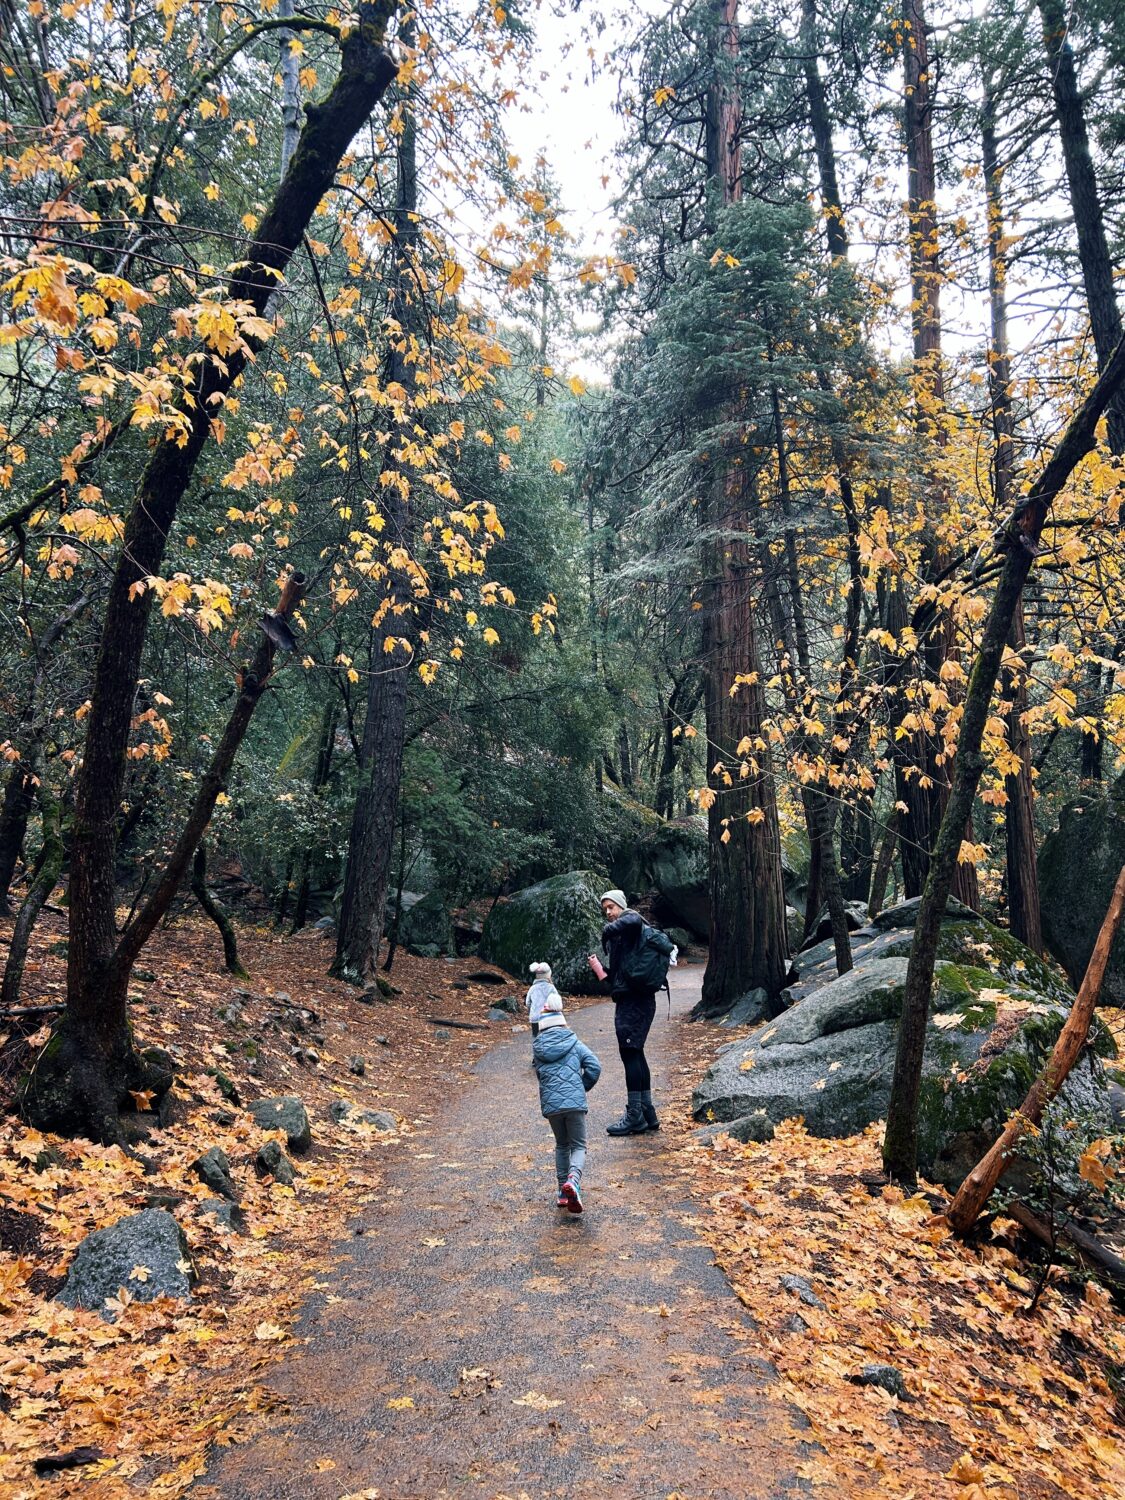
(618,1314)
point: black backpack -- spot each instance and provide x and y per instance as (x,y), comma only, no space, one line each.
(645,965)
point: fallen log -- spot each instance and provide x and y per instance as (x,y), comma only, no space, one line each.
(459,1025)
(34,1010)
(977,1187)
(1084,1245)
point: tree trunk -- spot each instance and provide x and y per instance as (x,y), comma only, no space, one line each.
(977,1187)
(217,912)
(748,947)
(1019,818)
(1020,543)
(1097,278)
(883,865)
(325,747)
(19,797)
(49,868)
(384,732)
(929,379)
(19,791)
(93,1044)
(289,69)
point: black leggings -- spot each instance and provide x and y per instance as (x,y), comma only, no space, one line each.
(637,1076)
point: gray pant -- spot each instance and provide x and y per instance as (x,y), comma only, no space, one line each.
(569,1126)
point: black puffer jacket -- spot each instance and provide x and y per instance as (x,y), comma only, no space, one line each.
(618,938)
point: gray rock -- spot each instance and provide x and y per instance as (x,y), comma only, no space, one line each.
(681,937)
(800,1286)
(557,921)
(427,927)
(325,924)
(229,1215)
(110,1258)
(383,1041)
(748,1009)
(830,1057)
(443,1034)
(286,1112)
(886,1377)
(342,1110)
(213,1168)
(1090,839)
(510,1004)
(496,1014)
(271,1160)
(794,927)
(357,1066)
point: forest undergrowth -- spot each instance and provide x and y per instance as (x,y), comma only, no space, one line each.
(155,1389)
(1001,1402)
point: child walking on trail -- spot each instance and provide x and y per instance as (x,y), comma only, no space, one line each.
(542,989)
(567,1071)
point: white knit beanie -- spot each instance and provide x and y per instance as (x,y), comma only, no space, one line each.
(619,898)
(552,1012)
(541,971)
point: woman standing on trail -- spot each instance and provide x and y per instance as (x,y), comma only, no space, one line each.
(633,1010)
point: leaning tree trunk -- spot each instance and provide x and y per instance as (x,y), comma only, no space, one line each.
(215,909)
(91,1051)
(1072,1040)
(371,842)
(1019,543)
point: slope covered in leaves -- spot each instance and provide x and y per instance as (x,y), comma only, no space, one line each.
(154,1389)
(1001,1403)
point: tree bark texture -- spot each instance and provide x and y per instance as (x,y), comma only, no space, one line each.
(94,1036)
(371,841)
(1019,815)
(977,1187)
(748,938)
(1020,543)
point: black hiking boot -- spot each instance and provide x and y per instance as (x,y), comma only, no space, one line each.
(652,1119)
(632,1122)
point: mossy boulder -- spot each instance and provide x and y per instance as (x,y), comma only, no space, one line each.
(1078,866)
(145,1253)
(996,1012)
(558,921)
(427,927)
(666,860)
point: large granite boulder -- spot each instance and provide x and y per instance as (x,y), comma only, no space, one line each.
(558,921)
(667,861)
(145,1253)
(997,1010)
(1078,866)
(427,927)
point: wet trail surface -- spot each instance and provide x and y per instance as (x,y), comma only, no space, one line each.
(467,1268)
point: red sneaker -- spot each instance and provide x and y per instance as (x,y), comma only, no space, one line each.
(570,1195)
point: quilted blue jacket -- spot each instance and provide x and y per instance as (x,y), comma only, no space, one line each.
(566,1067)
